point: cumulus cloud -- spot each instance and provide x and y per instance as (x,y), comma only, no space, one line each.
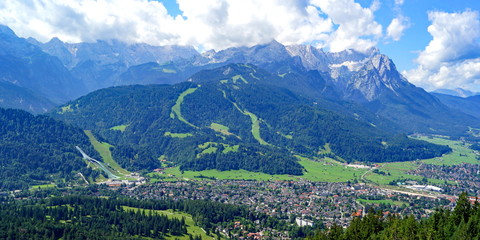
(89,20)
(220,23)
(357,28)
(217,24)
(452,58)
(397,27)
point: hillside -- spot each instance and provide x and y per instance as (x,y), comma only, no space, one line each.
(469,105)
(228,118)
(13,96)
(348,82)
(38,150)
(33,73)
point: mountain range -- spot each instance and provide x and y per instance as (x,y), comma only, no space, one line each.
(354,82)
(255,108)
(229,118)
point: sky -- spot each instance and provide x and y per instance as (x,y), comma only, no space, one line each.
(434,43)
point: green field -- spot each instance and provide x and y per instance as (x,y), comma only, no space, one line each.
(120,128)
(386,201)
(176,109)
(397,170)
(330,170)
(104,150)
(461,152)
(192,229)
(43,186)
(175,173)
(323,171)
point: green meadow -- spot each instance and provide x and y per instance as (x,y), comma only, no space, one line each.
(104,150)
(192,229)
(176,109)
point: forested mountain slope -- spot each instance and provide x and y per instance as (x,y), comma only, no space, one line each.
(39,150)
(228,118)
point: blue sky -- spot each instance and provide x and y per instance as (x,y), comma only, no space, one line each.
(416,36)
(434,43)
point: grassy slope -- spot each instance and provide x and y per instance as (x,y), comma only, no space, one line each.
(253,118)
(191,228)
(104,150)
(120,128)
(178,135)
(176,110)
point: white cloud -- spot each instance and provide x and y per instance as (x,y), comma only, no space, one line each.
(89,20)
(214,24)
(397,27)
(399,2)
(452,58)
(221,24)
(357,28)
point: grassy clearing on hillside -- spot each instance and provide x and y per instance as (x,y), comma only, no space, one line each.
(104,150)
(326,149)
(254,119)
(239,77)
(167,70)
(287,136)
(65,109)
(43,186)
(460,152)
(221,129)
(177,135)
(212,147)
(120,128)
(176,109)
(255,127)
(253,76)
(192,229)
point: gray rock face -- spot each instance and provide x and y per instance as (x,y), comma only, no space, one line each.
(100,64)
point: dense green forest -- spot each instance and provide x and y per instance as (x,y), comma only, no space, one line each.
(463,222)
(86,217)
(229,118)
(39,150)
